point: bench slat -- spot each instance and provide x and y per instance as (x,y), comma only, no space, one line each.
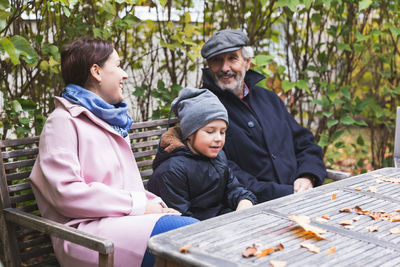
(18,187)
(147,124)
(145,144)
(19,164)
(145,163)
(145,153)
(139,135)
(18,142)
(146,173)
(34,242)
(20,152)
(36,252)
(18,175)
(22,198)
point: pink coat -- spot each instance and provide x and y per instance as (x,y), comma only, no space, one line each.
(86,176)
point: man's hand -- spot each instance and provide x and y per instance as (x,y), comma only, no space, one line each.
(244,204)
(154,207)
(302,184)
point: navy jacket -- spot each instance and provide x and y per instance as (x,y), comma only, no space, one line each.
(195,185)
(268,150)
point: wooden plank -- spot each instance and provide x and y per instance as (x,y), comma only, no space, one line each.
(145,144)
(146,173)
(18,175)
(18,187)
(22,198)
(145,153)
(148,124)
(144,163)
(36,252)
(139,135)
(44,239)
(19,164)
(18,142)
(20,153)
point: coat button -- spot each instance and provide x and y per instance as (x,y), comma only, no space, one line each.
(250,124)
(273,156)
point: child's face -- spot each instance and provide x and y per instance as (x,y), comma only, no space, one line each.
(210,139)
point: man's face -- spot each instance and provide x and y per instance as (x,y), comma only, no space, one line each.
(229,69)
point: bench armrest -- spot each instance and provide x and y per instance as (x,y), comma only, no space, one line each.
(28,220)
(337,175)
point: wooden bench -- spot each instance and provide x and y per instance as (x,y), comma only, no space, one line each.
(25,237)
(24,234)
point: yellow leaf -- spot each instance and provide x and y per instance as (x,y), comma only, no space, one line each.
(310,247)
(278,263)
(185,249)
(304,222)
(372,228)
(332,250)
(394,230)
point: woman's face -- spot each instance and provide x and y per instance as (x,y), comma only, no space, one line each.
(111,80)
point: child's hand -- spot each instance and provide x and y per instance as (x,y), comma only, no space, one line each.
(156,207)
(244,204)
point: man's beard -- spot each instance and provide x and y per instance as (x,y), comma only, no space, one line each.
(236,87)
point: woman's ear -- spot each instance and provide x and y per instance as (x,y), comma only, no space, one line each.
(95,72)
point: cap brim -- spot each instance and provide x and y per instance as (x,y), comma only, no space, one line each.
(226,50)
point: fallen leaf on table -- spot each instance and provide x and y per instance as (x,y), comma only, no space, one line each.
(332,250)
(373,189)
(398,210)
(345,210)
(334,196)
(249,252)
(278,263)
(349,227)
(357,209)
(379,181)
(326,217)
(394,230)
(356,218)
(185,249)
(279,247)
(346,222)
(304,222)
(310,247)
(396,219)
(265,252)
(357,189)
(372,228)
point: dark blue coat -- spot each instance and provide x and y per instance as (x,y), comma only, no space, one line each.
(269,150)
(193,184)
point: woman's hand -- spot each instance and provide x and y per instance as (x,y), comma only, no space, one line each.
(156,207)
(244,204)
(302,184)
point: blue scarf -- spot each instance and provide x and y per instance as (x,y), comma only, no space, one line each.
(115,115)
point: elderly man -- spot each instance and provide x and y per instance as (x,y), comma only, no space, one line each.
(270,153)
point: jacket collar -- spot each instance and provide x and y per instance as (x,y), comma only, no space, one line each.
(75,110)
(251,79)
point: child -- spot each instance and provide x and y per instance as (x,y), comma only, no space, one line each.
(191,172)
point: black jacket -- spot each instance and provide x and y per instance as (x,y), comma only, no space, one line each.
(269,150)
(195,185)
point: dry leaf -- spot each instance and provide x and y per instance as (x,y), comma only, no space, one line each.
(346,222)
(304,222)
(394,230)
(326,217)
(278,263)
(334,196)
(396,219)
(373,189)
(398,210)
(249,252)
(356,218)
(372,228)
(185,249)
(279,247)
(310,247)
(265,252)
(345,210)
(358,210)
(379,181)
(357,189)
(349,227)
(332,250)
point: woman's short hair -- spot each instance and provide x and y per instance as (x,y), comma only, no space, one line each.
(78,57)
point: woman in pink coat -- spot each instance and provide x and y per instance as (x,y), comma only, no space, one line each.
(86,175)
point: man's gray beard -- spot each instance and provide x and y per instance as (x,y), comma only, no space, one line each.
(236,88)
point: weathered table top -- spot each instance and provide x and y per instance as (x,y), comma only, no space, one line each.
(220,241)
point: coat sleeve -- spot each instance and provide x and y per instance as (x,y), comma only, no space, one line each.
(173,190)
(61,182)
(235,192)
(308,154)
(264,190)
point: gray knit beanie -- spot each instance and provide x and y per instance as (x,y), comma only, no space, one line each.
(196,108)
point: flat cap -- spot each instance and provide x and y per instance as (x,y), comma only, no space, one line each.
(224,41)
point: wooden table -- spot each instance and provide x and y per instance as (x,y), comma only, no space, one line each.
(220,241)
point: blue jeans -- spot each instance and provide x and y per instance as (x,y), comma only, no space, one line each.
(165,224)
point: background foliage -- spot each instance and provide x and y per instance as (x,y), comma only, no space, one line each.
(334,63)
